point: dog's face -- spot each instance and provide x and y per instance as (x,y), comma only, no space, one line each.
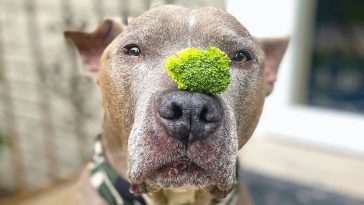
(178,139)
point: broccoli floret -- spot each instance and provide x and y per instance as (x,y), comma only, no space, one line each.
(196,70)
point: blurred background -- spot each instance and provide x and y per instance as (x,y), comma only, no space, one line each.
(308,147)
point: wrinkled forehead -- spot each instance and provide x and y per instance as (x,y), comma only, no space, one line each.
(202,27)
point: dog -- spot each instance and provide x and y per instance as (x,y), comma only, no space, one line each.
(165,146)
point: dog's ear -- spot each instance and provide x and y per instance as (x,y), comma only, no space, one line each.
(92,44)
(274,49)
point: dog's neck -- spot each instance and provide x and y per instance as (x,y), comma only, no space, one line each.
(114,149)
(180,197)
(171,197)
(191,197)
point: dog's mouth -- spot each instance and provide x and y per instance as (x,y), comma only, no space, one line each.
(177,168)
(181,174)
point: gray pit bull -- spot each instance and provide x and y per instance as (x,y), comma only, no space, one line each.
(175,147)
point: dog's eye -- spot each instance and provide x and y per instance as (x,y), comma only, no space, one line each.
(242,56)
(133,51)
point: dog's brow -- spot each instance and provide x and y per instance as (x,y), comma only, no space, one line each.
(136,36)
(233,43)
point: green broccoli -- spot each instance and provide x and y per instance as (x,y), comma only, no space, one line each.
(196,70)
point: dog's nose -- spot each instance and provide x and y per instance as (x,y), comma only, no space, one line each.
(189,116)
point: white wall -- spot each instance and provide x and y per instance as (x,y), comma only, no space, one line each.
(264,18)
(283,118)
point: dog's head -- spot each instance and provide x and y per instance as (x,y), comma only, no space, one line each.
(178,139)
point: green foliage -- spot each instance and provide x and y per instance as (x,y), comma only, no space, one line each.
(3,142)
(205,71)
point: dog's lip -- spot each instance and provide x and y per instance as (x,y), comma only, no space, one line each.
(178,167)
(175,167)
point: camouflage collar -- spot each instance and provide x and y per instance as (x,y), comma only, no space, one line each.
(111,187)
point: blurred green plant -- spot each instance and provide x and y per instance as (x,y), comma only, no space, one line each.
(3,141)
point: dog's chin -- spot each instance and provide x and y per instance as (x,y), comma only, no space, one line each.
(181,175)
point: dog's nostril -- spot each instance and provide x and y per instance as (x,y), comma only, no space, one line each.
(210,115)
(170,112)
(203,115)
(177,112)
